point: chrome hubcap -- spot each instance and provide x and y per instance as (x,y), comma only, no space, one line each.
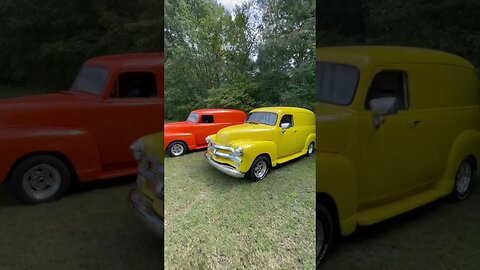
(464,177)
(41,181)
(177,149)
(310,148)
(260,169)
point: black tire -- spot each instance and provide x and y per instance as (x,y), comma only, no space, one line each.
(53,168)
(173,149)
(463,180)
(264,163)
(325,233)
(311,149)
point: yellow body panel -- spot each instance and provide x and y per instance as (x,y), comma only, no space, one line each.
(367,174)
(261,139)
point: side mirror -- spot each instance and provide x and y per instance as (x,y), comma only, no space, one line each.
(284,126)
(382,107)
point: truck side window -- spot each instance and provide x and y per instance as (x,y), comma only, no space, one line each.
(389,84)
(207,119)
(287,118)
(135,85)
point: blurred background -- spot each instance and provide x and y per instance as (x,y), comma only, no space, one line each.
(447,25)
(43,43)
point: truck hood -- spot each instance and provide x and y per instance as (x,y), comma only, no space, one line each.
(250,132)
(32,110)
(179,127)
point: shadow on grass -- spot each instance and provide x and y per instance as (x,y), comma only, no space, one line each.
(81,187)
(379,230)
(222,182)
(7,198)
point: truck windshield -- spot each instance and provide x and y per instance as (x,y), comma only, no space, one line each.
(90,80)
(266,118)
(193,117)
(336,83)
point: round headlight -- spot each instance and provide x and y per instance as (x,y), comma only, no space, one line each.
(138,150)
(238,152)
(207,139)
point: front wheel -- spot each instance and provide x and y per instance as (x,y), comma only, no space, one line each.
(463,180)
(259,169)
(40,179)
(324,231)
(176,149)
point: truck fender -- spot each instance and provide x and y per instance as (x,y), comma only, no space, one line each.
(343,190)
(466,144)
(188,138)
(77,145)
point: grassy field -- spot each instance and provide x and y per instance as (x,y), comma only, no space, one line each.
(92,228)
(218,222)
(442,235)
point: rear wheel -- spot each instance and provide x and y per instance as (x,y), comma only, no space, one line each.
(311,149)
(259,169)
(176,149)
(40,179)
(463,180)
(324,230)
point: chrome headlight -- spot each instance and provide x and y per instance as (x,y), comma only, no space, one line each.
(207,139)
(238,152)
(138,150)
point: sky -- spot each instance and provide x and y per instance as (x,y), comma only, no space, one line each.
(230,4)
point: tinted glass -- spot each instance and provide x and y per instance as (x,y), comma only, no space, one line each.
(90,80)
(336,83)
(267,118)
(193,117)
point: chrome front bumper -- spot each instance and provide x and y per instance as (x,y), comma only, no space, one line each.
(142,208)
(223,168)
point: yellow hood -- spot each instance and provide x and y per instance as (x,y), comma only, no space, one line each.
(247,131)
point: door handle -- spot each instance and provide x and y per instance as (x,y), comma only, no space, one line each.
(413,123)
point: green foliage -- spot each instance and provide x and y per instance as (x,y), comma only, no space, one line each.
(262,54)
(448,25)
(43,43)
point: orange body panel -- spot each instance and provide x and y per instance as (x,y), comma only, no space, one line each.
(193,133)
(92,133)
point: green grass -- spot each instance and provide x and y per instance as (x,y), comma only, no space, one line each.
(214,221)
(92,228)
(441,235)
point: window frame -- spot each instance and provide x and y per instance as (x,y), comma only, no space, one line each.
(287,114)
(354,94)
(116,83)
(405,85)
(209,115)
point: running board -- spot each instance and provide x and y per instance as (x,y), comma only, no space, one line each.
(374,215)
(290,157)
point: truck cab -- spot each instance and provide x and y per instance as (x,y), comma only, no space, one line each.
(397,128)
(84,133)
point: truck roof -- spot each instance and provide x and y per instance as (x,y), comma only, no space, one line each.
(213,111)
(280,110)
(375,55)
(131,60)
